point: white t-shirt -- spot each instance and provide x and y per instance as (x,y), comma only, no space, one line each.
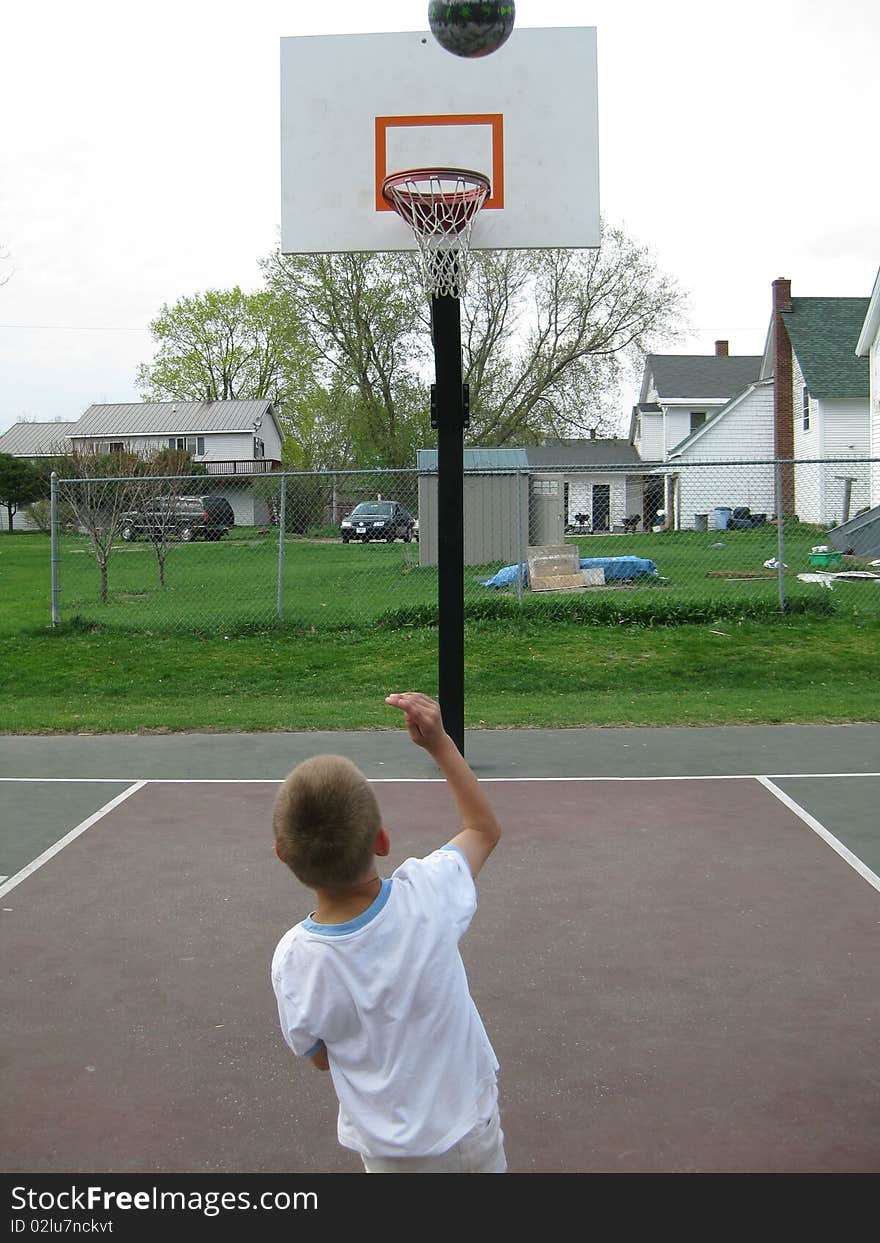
(388,995)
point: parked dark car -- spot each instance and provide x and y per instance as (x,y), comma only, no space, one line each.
(179,517)
(379,520)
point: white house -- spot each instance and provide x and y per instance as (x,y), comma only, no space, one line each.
(868,346)
(680,392)
(228,437)
(821,402)
(596,483)
(741,429)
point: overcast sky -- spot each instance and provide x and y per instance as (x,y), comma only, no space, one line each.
(139,162)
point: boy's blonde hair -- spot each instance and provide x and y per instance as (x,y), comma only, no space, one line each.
(326,819)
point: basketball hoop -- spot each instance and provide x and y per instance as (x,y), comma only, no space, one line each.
(439,205)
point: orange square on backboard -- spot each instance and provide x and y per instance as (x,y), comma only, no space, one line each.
(493,122)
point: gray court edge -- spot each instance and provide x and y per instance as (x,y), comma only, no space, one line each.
(737,750)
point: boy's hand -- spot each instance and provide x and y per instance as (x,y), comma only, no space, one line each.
(480,830)
(423,719)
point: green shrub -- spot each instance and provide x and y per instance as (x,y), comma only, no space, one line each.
(599,611)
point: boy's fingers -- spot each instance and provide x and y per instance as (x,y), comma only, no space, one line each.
(409,699)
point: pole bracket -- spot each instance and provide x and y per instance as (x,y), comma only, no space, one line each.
(465,406)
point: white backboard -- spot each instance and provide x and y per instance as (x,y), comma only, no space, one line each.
(355,108)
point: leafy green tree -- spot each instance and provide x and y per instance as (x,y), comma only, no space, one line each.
(20,483)
(362,315)
(546,338)
(344,342)
(222,345)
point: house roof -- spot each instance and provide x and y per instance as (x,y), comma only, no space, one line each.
(36,439)
(152,418)
(699,376)
(478,459)
(584,453)
(824,333)
(573,454)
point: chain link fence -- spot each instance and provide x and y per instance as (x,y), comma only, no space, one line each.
(651,543)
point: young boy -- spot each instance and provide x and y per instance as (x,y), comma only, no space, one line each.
(371,986)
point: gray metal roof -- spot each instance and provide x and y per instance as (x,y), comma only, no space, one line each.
(589,453)
(36,439)
(573,454)
(479,459)
(151,418)
(696,376)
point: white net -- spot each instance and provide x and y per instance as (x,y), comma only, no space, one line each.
(440,205)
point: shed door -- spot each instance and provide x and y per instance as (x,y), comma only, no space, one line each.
(546,524)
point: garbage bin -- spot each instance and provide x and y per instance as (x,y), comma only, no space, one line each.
(701,522)
(723,514)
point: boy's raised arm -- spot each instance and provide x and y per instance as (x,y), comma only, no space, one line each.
(480,829)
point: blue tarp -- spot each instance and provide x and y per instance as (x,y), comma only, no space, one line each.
(616,568)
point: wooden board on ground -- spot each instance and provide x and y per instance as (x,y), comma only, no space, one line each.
(558,582)
(554,567)
(742,574)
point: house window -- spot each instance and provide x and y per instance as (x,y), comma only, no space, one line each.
(698,418)
(259,448)
(193,445)
(545,487)
(806,410)
(116,446)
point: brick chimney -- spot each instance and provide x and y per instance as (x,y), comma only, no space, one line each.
(721,349)
(783,397)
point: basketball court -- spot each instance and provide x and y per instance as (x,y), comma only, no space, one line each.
(676,948)
(675,952)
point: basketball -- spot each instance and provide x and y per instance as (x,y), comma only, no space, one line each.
(471,27)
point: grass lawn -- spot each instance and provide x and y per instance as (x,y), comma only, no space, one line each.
(232,584)
(139,674)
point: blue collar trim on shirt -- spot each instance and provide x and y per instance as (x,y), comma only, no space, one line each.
(340,930)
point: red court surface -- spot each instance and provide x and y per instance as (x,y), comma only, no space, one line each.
(677,975)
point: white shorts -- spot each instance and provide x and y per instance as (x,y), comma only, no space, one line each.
(481,1151)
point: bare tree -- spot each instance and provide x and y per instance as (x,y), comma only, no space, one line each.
(94,486)
(152,503)
(545,335)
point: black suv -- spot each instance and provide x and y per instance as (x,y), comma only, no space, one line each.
(179,517)
(387,520)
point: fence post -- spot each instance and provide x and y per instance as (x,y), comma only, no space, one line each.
(53,545)
(282,522)
(780,535)
(519,540)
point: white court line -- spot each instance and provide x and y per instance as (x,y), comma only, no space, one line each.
(37,863)
(259,781)
(863,870)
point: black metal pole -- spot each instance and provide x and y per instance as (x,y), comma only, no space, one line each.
(446,331)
